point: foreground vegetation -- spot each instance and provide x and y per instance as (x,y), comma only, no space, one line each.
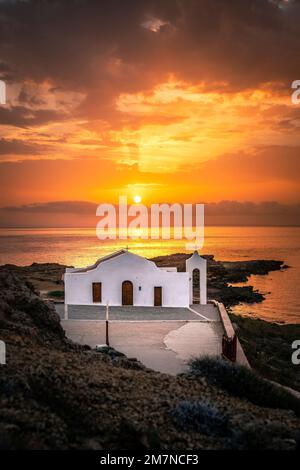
(242,382)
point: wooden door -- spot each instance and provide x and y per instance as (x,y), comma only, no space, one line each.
(157,296)
(97,292)
(196,286)
(127,293)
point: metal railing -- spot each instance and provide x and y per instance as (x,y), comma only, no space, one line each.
(229,346)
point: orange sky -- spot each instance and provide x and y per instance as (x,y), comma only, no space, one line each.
(152,105)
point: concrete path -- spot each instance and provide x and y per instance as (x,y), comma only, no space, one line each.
(162,346)
(208,312)
(163,339)
(97,312)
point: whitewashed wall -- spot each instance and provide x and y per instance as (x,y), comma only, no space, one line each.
(127,267)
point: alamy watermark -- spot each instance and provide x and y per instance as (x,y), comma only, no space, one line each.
(159,221)
(2,92)
(296,94)
(2,353)
(296,353)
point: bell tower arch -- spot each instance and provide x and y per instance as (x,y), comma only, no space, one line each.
(197,269)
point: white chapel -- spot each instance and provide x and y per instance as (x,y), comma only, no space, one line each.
(124,278)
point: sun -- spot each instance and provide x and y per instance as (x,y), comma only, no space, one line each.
(137,199)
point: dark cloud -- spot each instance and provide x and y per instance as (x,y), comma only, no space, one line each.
(226,208)
(19,147)
(104,48)
(211,208)
(20,116)
(82,213)
(5,72)
(56,207)
(27,99)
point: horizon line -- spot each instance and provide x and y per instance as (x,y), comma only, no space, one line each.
(208,225)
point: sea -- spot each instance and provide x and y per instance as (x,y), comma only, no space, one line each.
(81,247)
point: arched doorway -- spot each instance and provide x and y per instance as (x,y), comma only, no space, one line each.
(196,286)
(127,293)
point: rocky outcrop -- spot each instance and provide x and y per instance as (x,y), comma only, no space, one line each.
(24,315)
(239,271)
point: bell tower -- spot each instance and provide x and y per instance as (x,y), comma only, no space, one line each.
(197,269)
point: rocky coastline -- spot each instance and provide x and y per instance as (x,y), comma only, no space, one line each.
(222,275)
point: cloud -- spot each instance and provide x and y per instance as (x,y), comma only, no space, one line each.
(55,207)
(187,95)
(211,208)
(83,213)
(25,98)
(104,48)
(228,208)
(20,116)
(272,163)
(257,174)
(19,147)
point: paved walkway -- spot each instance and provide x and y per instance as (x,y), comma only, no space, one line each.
(163,346)
(208,312)
(163,339)
(97,312)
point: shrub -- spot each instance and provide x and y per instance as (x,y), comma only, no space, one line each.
(202,417)
(57,293)
(255,434)
(262,436)
(242,382)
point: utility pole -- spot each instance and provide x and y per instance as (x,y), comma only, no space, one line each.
(106,325)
